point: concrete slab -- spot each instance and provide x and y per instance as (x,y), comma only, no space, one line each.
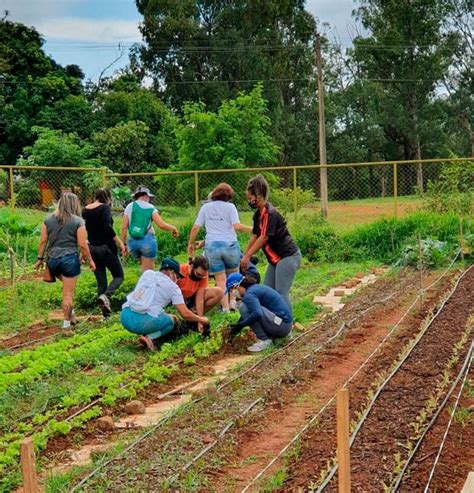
(469,484)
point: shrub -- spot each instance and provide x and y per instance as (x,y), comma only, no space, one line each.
(283,198)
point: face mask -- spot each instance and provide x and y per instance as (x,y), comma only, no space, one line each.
(252,204)
(235,293)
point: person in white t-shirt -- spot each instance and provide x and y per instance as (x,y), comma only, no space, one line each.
(221,220)
(143,312)
(138,220)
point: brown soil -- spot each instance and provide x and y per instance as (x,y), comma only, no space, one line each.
(457,457)
(318,383)
(388,426)
(32,276)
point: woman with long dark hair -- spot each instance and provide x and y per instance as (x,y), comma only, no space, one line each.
(104,245)
(62,234)
(271,234)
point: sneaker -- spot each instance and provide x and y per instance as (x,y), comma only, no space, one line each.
(104,304)
(260,346)
(147,343)
(67,325)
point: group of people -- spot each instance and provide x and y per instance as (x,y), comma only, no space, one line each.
(265,308)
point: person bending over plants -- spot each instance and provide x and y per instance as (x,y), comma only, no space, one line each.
(144,311)
(270,232)
(262,309)
(62,234)
(198,296)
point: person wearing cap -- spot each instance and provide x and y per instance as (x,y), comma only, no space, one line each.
(262,309)
(138,220)
(144,311)
(194,285)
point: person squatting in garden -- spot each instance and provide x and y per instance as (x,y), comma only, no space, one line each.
(270,232)
(62,233)
(104,245)
(144,311)
(138,220)
(194,285)
(221,222)
(262,309)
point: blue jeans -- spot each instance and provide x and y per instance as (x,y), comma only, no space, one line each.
(146,247)
(266,328)
(222,255)
(67,266)
(144,324)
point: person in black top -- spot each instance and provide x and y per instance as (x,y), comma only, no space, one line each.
(103,245)
(270,232)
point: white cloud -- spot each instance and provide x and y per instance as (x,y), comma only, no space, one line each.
(88,30)
(30,11)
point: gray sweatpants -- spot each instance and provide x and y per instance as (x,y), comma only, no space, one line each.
(280,276)
(266,328)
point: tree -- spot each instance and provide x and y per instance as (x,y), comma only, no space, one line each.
(407,53)
(31,82)
(235,136)
(122,147)
(209,51)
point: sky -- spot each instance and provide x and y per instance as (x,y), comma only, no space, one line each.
(88,32)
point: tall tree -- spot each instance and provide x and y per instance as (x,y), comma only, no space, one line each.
(210,50)
(407,53)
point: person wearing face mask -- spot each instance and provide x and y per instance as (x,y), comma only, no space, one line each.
(143,312)
(262,309)
(198,296)
(271,234)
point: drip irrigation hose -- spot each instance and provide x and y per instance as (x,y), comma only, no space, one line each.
(333,398)
(392,374)
(464,371)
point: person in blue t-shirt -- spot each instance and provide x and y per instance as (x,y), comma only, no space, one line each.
(263,309)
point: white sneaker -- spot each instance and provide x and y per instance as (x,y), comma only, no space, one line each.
(260,346)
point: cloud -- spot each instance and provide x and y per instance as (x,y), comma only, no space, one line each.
(89,30)
(30,11)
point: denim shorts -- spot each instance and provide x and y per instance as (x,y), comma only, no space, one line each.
(67,266)
(146,247)
(222,255)
(144,324)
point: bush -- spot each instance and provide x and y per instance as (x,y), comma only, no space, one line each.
(28,193)
(283,198)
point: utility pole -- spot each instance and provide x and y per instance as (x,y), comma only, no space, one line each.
(323,172)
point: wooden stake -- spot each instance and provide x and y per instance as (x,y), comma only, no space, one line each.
(461,239)
(28,466)
(420,266)
(343,451)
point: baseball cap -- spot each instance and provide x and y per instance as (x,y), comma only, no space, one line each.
(233,280)
(141,190)
(171,263)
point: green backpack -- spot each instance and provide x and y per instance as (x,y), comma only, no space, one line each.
(139,221)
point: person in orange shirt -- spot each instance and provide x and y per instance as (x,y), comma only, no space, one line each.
(194,285)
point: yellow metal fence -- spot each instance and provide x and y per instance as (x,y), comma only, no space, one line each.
(378,188)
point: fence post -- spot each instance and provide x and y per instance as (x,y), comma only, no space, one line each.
(196,189)
(343,449)
(295,198)
(12,188)
(28,466)
(104,177)
(395,190)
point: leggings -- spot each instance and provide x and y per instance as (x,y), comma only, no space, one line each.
(280,276)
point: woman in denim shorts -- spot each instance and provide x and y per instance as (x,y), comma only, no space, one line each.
(221,221)
(62,234)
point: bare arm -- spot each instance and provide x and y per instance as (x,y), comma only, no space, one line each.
(188,315)
(165,226)
(200,302)
(242,228)
(192,238)
(124,231)
(254,246)
(84,247)
(42,246)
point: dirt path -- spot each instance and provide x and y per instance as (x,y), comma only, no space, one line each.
(383,440)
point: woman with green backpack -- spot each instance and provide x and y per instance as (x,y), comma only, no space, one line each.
(138,220)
